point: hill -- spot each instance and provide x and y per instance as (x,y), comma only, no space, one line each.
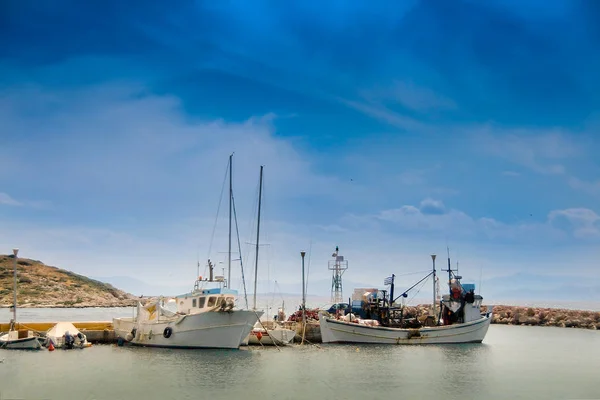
(41,285)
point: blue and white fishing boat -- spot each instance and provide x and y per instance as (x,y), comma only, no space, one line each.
(457,320)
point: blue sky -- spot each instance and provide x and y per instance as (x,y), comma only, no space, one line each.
(388,129)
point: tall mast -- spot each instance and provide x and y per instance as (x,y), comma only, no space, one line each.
(433,259)
(257,236)
(230,205)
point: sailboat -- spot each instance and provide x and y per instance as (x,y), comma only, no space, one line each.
(459,321)
(22,339)
(267,333)
(206,317)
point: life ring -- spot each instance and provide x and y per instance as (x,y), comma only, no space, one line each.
(167,332)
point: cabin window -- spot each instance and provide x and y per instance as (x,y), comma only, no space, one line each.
(194,303)
(201,302)
(211,301)
(219,301)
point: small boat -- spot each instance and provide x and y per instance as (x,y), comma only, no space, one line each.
(460,319)
(18,339)
(270,333)
(64,335)
(22,339)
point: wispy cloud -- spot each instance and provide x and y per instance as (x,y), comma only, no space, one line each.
(5,199)
(511,173)
(381,112)
(409,95)
(540,151)
(592,188)
(584,223)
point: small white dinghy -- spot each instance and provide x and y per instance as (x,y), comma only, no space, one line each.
(269,333)
(64,335)
(21,339)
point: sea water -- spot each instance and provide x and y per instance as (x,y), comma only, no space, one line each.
(513,362)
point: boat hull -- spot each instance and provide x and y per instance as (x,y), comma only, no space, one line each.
(335,331)
(271,337)
(225,330)
(28,343)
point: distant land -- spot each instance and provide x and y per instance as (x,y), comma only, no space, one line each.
(41,285)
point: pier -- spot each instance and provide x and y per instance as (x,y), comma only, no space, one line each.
(97,332)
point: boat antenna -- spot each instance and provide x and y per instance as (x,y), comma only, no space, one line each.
(449,269)
(257,236)
(434,276)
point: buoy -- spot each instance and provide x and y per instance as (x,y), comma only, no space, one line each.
(51,347)
(258,336)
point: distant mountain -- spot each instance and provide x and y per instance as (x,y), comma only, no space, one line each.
(41,285)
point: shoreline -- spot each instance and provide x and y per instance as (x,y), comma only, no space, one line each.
(538,316)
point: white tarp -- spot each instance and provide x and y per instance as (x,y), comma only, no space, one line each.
(57,332)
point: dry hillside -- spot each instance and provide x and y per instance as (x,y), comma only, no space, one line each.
(41,285)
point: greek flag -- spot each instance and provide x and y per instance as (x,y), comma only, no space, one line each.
(388,280)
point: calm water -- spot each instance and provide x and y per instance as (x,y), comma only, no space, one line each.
(514,362)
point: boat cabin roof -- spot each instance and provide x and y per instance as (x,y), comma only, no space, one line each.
(213,291)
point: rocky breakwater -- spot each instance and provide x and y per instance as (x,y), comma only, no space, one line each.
(533,316)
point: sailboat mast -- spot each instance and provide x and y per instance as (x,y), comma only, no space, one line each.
(15,253)
(257,236)
(434,276)
(230,205)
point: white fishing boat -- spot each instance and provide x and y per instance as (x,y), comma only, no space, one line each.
(460,319)
(64,335)
(204,318)
(18,339)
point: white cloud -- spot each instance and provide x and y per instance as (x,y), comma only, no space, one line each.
(432,216)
